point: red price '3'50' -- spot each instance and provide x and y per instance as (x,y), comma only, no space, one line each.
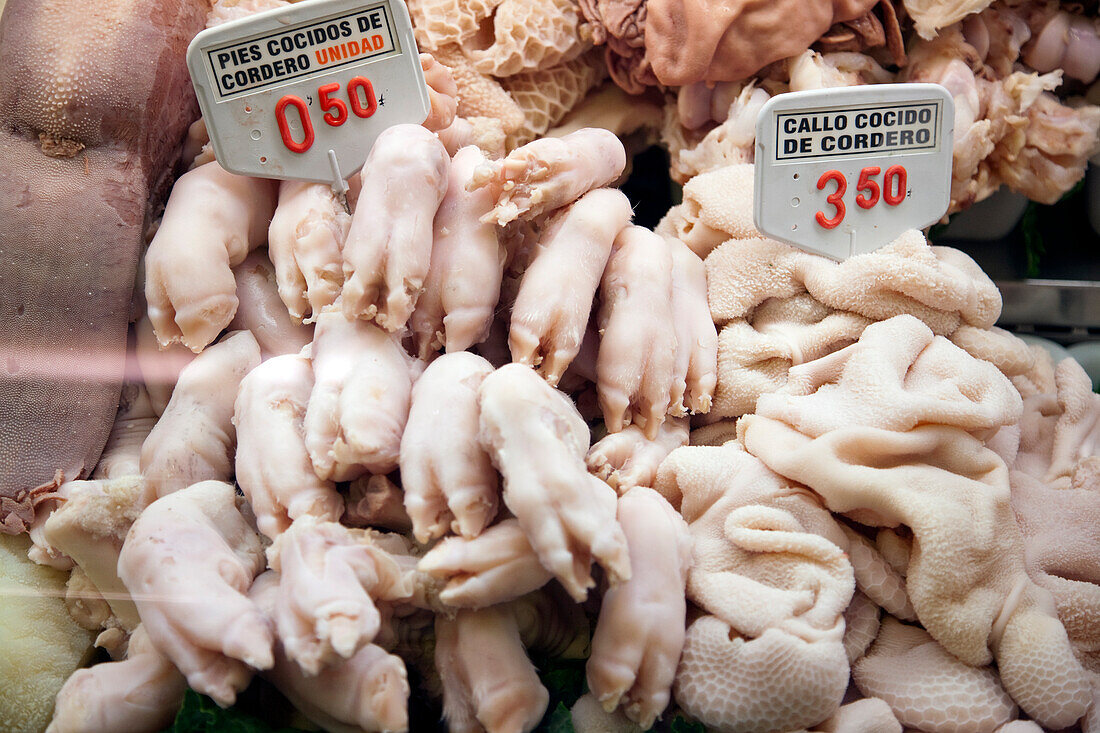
(893,191)
(336,111)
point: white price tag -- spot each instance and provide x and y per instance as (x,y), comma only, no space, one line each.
(302,92)
(845,171)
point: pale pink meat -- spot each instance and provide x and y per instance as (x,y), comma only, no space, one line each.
(556,292)
(389,245)
(329,579)
(497,566)
(635,368)
(537,440)
(488,681)
(368,692)
(696,336)
(188,562)
(194,439)
(140,694)
(360,399)
(640,632)
(456,307)
(551,172)
(628,458)
(261,312)
(449,481)
(212,221)
(272,464)
(305,242)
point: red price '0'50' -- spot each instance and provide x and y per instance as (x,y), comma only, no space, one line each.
(336,111)
(893,191)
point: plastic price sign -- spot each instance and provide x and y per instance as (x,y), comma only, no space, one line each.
(302,92)
(844,171)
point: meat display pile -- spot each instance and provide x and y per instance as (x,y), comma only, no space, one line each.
(389,457)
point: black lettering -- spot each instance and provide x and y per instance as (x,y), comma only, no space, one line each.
(223,59)
(876,139)
(804,145)
(876,119)
(828,144)
(860,140)
(804,125)
(241,78)
(906,137)
(891,138)
(364,24)
(266,72)
(789,125)
(253,75)
(841,122)
(861,120)
(789,146)
(844,142)
(376,20)
(925,115)
(889,117)
(227,81)
(273,47)
(923,135)
(254,50)
(345,28)
(909,117)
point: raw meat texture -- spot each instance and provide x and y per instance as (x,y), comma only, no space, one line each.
(812,70)
(537,440)
(861,625)
(375,501)
(368,692)
(550,172)
(756,353)
(273,467)
(717,207)
(900,391)
(696,368)
(638,340)
(188,562)
(621,26)
(588,716)
(194,439)
(330,578)
(85,131)
(1050,152)
(1066,41)
(160,368)
(140,694)
(869,32)
(869,715)
(305,242)
(440,23)
(442,93)
(479,95)
(545,96)
(1056,500)
(773,581)
(133,422)
(941,286)
(497,566)
(731,142)
(484,132)
(628,458)
(42,643)
(223,11)
(456,307)
(91,526)
(640,632)
(556,292)
(927,688)
(212,221)
(527,35)
(610,108)
(449,481)
(262,313)
(389,245)
(360,399)
(691,40)
(488,681)
(929,16)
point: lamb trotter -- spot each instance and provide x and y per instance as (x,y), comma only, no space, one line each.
(95,101)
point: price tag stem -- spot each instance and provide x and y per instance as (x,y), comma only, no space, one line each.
(339,185)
